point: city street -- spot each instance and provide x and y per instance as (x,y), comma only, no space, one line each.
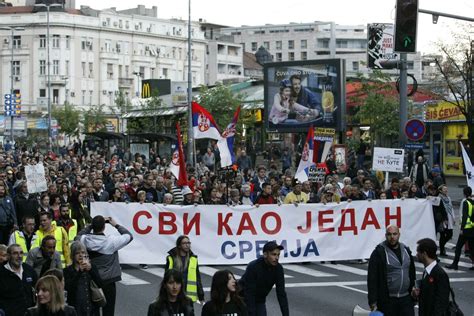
(313,289)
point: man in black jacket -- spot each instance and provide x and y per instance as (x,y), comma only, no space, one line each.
(433,294)
(17,281)
(260,277)
(391,276)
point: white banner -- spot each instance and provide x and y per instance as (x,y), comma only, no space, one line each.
(468,166)
(236,235)
(35,179)
(388,159)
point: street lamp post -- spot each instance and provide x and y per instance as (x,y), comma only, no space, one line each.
(190,94)
(47,6)
(12,79)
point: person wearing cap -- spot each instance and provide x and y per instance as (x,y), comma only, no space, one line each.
(296,196)
(259,278)
(188,196)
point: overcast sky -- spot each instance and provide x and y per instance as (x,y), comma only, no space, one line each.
(259,12)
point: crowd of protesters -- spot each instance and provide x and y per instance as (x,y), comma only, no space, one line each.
(76,177)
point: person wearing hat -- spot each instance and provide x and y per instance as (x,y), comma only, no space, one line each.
(259,278)
(296,196)
(188,196)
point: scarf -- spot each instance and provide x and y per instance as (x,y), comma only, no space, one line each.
(448,206)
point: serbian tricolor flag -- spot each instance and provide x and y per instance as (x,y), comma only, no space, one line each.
(177,164)
(204,125)
(306,157)
(226,142)
(322,149)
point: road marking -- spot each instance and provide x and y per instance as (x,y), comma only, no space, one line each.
(461,264)
(307,271)
(159,272)
(353,289)
(422,267)
(345,268)
(128,279)
(211,271)
(243,268)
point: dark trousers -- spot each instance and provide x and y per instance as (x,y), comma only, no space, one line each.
(461,241)
(402,306)
(261,309)
(444,237)
(109,292)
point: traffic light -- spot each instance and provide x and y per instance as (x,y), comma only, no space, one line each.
(406,21)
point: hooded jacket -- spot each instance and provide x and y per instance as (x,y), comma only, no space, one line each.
(103,251)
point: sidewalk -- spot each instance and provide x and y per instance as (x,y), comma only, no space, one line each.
(455,186)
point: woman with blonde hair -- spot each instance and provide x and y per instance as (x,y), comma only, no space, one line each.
(50,299)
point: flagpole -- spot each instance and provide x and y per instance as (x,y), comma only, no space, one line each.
(190,151)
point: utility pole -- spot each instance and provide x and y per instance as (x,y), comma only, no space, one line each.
(190,156)
(403,99)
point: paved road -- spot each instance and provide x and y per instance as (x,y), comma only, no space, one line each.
(313,289)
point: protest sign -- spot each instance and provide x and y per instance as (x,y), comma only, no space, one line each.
(35,179)
(388,159)
(223,234)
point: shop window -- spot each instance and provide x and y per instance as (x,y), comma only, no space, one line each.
(451,148)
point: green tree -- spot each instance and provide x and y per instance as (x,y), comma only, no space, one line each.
(221,102)
(146,123)
(68,118)
(95,119)
(377,108)
(455,77)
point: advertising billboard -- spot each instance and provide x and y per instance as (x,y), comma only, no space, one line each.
(379,44)
(300,94)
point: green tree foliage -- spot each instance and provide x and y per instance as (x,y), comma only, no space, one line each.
(95,119)
(455,76)
(147,123)
(377,108)
(68,118)
(221,102)
(122,104)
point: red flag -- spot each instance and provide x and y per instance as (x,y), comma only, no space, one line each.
(183,177)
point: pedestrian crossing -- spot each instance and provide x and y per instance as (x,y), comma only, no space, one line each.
(342,274)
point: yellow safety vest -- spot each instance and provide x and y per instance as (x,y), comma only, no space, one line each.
(20,240)
(191,286)
(58,235)
(72,232)
(469,223)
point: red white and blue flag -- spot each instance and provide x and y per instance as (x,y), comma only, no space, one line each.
(177,164)
(226,142)
(306,157)
(204,125)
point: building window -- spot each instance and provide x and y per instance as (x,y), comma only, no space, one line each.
(56,41)
(91,70)
(67,68)
(304,55)
(56,67)
(254,46)
(278,45)
(68,42)
(152,73)
(323,43)
(83,64)
(42,93)
(304,44)
(83,97)
(120,67)
(108,46)
(165,73)
(355,65)
(55,96)
(266,45)
(291,56)
(127,71)
(42,67)
(291,44)
(410,65)
(16,42)
(110,71)
(42,41)
(16,68)
(91,93)
(278,56)
(341,43)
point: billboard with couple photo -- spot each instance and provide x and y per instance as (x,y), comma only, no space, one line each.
(306,93)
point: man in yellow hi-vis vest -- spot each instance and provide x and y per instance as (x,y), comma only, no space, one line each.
(25,237)
(467,229)
(65,221)
(47,227)
(181,258)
